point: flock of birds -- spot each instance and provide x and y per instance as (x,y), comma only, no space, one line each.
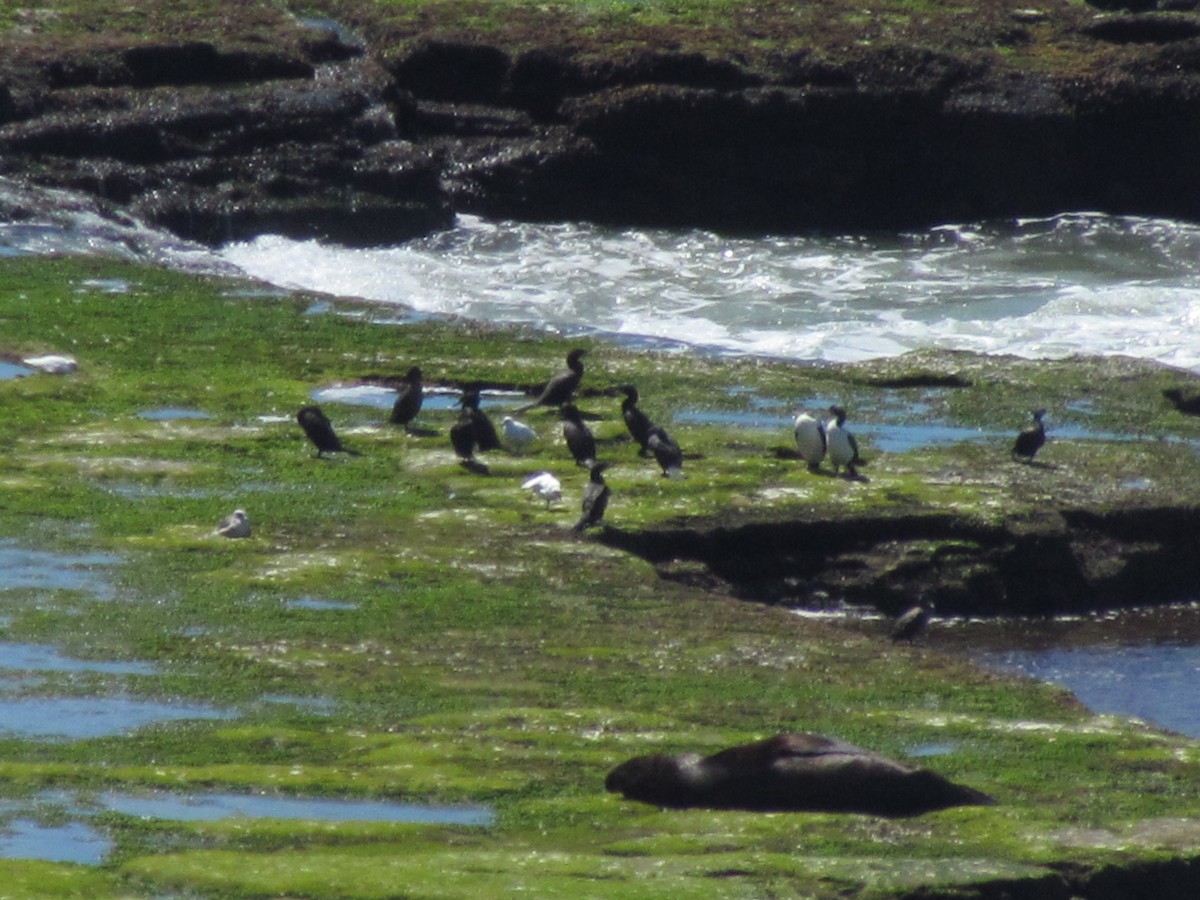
(474,432)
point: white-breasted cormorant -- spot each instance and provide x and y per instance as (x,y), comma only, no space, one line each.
(636,421)
(558,390)
(409,398)
(595,498)
(578,436)
(544,486)
(319,430)
(1030,440)
(810,440)
(235,525)
(842,447)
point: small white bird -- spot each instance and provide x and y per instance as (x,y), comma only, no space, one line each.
(843,448)
(52,363)
(235,525)
(518,435)
(810,440)
(544,486)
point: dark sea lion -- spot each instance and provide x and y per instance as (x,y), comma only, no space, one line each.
(790,772)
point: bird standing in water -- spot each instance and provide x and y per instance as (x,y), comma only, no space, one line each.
(810,440)
(843,448)
(409,398)
(558,390)
(319,430)
(1031,438)
(636,421)
(595,498)
(578,436)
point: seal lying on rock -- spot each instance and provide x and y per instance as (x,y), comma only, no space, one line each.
(790,772)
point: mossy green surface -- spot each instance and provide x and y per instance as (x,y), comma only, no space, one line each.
(466,647)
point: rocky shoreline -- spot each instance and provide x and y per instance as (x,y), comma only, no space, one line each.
(312,130)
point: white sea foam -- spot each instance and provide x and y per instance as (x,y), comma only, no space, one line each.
(1081,283)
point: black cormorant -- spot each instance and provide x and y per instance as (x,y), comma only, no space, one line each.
(595,498)
(408,399)
(558,390)
(485,432)
(666,452)
(319,430)
(636,421)
(1030,440)
(578,436)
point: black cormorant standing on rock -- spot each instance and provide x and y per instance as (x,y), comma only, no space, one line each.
(1030,440)
(408,399)
(595,498)
(810,440)
(558,390)
(578,436)
(843,448)
(666,452)
(636,421)
(319,430)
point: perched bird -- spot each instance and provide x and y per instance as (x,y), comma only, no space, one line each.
(636,421)
(910,623)
(517,435)
(578,436)
(409,398)
(595,498)
(544,486)
(485,432)
(1031,438)
(558,390)
(462,436)
(810,440)
(235,525)
(319,430)
(843,448)
(666,452)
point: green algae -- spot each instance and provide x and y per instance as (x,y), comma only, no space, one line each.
(481,652)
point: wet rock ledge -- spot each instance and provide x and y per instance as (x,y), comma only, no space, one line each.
(373,131)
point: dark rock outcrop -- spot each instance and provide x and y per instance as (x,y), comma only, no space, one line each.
(790,772)
(314,133)
(1066,561)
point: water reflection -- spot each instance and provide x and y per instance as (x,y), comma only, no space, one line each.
(21,567)
(208,807)
(73,842)
(79,718)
